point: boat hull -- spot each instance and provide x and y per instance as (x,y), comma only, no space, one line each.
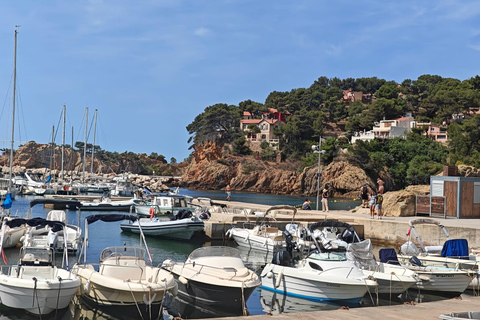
(297,283)
(447,282)
(214,297)
(175,229)
(47,295)
(247,239)
(101,289)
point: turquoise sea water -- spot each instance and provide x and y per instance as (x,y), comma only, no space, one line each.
(271,199)
(102,234)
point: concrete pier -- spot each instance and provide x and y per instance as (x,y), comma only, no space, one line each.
(420,311)
(388,231)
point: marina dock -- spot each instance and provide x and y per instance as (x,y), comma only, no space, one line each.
(414,311)
(386,231)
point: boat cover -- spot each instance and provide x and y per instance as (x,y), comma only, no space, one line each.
(110,217)
(455,248)
(66,202)
(331,223)
(388,255)
(36,222)
(361,253)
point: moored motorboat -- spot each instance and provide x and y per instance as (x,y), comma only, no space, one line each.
(321,276)
(165,227)
(161,204)
(107,204)
(263,236)
(215,278)
(122,278)
(392,279)
(35,284)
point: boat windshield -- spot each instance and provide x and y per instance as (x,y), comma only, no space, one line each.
(136,252)
(218,251)
(36,256)
(328,256)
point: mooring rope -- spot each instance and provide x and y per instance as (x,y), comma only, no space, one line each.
(58,295)
(244,306)
(135,300)
(35,296)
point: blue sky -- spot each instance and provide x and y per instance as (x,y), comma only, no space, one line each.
(150,67)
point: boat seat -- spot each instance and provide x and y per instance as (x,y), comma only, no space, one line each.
(122,272)
(271,230)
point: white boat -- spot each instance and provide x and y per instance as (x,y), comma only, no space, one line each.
(322,276)
(123,187)
(450,253)
(107,204)
(214,278)
(164,227)
(262,236)
(436,279)
(44,235)
(122,278)
(453,253)
(35,284)
(161,204)
(391,279)
(13,235)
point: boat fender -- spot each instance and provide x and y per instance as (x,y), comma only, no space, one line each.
(228,234)
(270,275)
(279,279)
(152,212)
(87,287)
(183,280)
(423,278)
(148,302)
(174,290)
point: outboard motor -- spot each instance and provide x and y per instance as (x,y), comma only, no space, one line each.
(348,236)
(282,258)
(291,244)
(414,261)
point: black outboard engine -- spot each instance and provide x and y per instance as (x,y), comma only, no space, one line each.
(348,236)
(291,244)
(282,258)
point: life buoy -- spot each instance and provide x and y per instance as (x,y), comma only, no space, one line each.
(152,212)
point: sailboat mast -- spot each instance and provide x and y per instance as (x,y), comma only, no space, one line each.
(13,112)
(85,143)
(93,145)
(63,142)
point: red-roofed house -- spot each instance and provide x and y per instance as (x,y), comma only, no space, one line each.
(269,120)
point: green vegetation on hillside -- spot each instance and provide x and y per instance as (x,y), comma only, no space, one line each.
(430,98)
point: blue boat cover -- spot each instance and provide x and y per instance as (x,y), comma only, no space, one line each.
(388,255)
(455,248)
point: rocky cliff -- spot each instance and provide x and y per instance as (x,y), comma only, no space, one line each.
(34,155)
(213,167)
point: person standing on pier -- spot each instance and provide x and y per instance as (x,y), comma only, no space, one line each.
(364,195)
(325,200)
(378,205)
(228,192)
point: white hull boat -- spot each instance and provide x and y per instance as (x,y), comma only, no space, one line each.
(160,205)
(122,279)
(36,284)
(106,204)
(214,278)
(391,279)
(176,229)
(320,277)
(263,237)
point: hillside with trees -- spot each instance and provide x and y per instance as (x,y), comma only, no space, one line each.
(313,110)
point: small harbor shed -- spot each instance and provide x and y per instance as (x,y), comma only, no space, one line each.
(461,195)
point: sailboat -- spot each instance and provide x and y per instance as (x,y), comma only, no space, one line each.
(12,234)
